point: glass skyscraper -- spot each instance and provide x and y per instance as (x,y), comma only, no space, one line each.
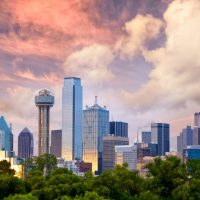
(119,129)
(146,137)
(160,136)
(72,119)
(6,137)
(95,127)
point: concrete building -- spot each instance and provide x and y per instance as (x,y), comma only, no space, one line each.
(160,134)
(44,101)
(109,143)
(95,127)
(25,144)
(119,129)
(56,143)
(72,101)
(126,154)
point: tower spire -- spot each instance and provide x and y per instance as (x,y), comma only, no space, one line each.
(96,100)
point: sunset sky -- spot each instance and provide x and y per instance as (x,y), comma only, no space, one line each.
(140,57)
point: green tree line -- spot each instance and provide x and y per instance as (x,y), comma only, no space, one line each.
(168,179)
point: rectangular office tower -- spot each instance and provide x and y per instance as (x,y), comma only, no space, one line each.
(146,137)
(72,119)
(109,143)
(95,127)
(160,135)
(119,129)
(196,134)
(56,143)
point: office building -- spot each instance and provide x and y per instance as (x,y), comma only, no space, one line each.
(56,143)
(25,144)
(126,154)
(184,139)
(191,153)
(95,127)
(44,101)
(197,119)
(119,129)
(196,134)
(146,137)
(84,166)
(160,135)
(109,143)
(6,136)
(72,119)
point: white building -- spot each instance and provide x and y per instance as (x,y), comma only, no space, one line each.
(126,154)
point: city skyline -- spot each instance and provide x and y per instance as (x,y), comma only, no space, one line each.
(132,54)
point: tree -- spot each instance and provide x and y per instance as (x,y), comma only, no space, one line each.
(5,168)
(21,197)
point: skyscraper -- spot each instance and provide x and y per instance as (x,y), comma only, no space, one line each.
(126,154)
(196,133)
(146,137)
(109,143)
(25,144)
(56,143)
(72,119)
(119,129)
(6,137)
(44,100)
(95,127)
(160,135)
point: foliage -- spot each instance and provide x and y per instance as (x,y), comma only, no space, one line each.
(5,168)
(168,179)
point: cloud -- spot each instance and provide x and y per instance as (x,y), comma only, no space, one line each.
(137,32)
(174,81)
(91,63)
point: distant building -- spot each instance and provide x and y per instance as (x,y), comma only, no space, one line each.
(191,153)
(184,139)
(95,127)
(109,143)
(25,144)
(146,137)
(84,166)
(148,149)
(119,129)
(56,143)
(197,119)
(196,133)
(72,100)
(160,135)
(126,154)
(6,136)
(44,100)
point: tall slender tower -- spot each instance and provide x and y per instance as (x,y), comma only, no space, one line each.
(44,100)
(72,119)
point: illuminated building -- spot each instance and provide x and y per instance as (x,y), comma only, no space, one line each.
(109,143)
(126,154)
(25,144)
(72,119)
(95,127)
(44,100)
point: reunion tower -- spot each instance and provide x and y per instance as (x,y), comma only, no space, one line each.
(44,100)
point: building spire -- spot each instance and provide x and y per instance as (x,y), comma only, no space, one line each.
(96,98)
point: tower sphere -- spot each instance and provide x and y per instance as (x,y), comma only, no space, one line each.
(44,98)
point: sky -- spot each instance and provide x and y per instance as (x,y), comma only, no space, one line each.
(140,57)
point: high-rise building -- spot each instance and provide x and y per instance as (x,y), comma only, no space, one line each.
(197,119)
(25,144)
(72,119)
(119,129)
(95,127)
(56,143)
(160,135)
(109,143)
(44,100)
(196,133)
(126,154)
(191,153)
(146,137)
(184,139)
(6,136)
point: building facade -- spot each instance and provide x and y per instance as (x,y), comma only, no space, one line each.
(160,134)
(126,154)
(191,153)
(6,136)
(146,137)
(44,101)
(95,127)
(56,143)
(25,144)
(72,119)
(119,129)
(109,143)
